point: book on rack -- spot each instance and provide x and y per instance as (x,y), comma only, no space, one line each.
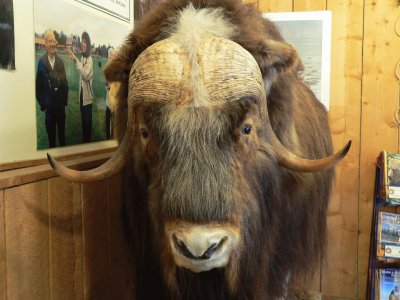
(388,284)
(388,243)
(389,164)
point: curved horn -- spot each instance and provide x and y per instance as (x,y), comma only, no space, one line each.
(291,161)
(295,163)
(106,170)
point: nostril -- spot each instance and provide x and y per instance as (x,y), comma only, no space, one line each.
(181,247)
(212,249)
(209,252)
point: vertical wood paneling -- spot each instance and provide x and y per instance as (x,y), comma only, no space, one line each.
(339,276)
(275,5)
(27,241)
(255,2)
(77,225)
(121,269)
(95,241)
(379,102)
(307,5)
(66,268)
(3,269)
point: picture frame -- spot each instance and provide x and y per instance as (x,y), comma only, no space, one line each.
(120,9)
(7,40)
(76,122)
(310,33)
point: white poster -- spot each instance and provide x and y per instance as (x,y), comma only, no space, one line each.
(310,33)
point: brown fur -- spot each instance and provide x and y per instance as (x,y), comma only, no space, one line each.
(257,35)
(281,214)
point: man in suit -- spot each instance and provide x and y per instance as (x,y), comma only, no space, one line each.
(52,90)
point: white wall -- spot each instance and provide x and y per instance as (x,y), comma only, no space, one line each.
(17,100)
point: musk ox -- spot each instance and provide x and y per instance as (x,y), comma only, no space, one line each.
(226,152)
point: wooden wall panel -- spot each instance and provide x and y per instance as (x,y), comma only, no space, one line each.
(95,241)
(27,241)
(65,231)
(339,277)
(308,5)
(379,102)
(3,269)
(254,2)
(275,5)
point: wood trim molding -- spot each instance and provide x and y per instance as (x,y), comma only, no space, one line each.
(19,176)
(44,161)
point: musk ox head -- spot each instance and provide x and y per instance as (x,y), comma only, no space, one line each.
(214,124)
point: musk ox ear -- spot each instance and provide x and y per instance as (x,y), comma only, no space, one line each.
(113,96)
(119,107)
(118,68)
(276,57)
(116,71)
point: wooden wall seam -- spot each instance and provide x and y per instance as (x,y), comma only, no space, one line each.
(3,258)
(108,227)
(78,227)
(360,280)
(49,239)
(85,292)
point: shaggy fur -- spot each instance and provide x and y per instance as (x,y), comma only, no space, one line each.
(194,163)
(191,26)
(257,35)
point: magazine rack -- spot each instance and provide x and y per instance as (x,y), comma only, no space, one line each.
(384,264)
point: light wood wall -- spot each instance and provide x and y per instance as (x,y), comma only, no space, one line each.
(363,100)
(62,240)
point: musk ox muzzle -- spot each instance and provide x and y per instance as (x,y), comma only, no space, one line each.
(199,247)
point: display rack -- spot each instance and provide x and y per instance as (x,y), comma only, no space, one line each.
(384,265)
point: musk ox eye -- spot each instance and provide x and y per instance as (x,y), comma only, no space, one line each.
(247,129)
(144,133)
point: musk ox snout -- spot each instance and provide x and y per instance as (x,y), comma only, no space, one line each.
(202,247)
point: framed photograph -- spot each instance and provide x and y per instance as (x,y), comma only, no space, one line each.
(7,49)
(118,8)
(310,33)
(72,46)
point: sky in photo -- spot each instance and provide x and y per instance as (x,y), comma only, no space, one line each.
(61,16)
